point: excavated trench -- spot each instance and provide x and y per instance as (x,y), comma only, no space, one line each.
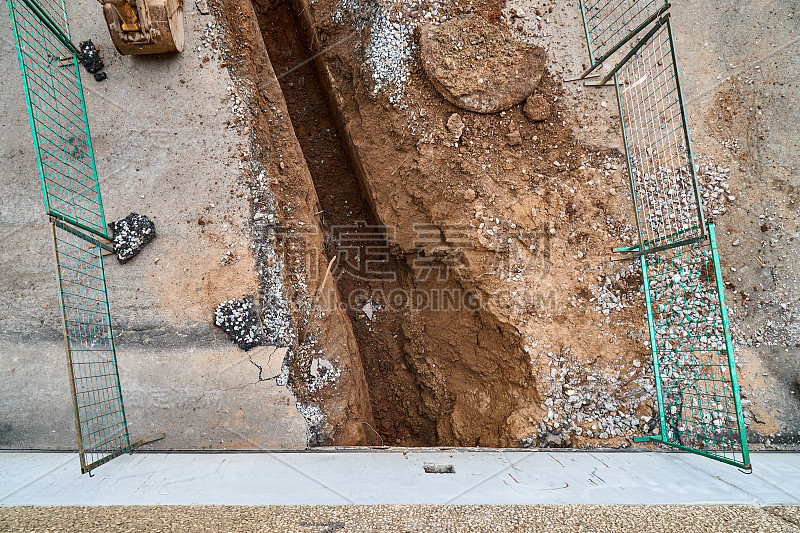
(439,370)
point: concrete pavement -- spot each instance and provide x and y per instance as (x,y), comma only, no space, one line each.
(398,476)
(171,143)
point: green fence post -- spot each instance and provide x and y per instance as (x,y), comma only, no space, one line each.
(729,347)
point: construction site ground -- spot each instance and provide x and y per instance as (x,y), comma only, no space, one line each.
(225,147)
(402,518)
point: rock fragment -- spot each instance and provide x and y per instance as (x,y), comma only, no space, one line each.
(202,6)
(369,310)
(479,66)
(537,108)
(554,440)
(514,138)
(455,126)
(239,319)
(130,235)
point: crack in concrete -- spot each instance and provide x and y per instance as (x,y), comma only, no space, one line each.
(261,369)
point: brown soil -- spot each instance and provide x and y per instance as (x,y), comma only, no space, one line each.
(413,402)
(285,207)
(518,233)
(526,228)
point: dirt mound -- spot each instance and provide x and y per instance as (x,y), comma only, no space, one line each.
(479,66)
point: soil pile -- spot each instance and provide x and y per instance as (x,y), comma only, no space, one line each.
(479,66)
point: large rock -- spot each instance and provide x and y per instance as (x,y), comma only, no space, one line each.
(479,66)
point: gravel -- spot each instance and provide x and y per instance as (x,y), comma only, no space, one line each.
(388,29)
(239,319)
(403,518)
(592,403)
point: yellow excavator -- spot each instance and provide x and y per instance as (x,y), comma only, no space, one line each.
(140,27)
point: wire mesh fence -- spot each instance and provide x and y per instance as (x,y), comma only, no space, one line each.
(54,95)
(664,188)
(609,24)
(695,370)
(56,12)
(89,342)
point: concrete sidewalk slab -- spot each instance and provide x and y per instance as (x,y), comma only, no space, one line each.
(367,477)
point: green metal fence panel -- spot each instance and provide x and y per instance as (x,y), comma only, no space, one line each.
(666,196)
(56,108)
(609,24)
(695,371)
(92,361)
(56,12)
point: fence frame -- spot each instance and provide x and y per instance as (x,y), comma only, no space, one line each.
(729,443)
(77,407)
(645,246)
(63,37)
(731,363)
(595,62)
(40,27)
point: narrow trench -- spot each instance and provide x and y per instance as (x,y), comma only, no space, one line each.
(467,399)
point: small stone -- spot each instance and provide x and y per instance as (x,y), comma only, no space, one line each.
(469,195)
(455,126)
(553,441)
(514,138)
(369,310)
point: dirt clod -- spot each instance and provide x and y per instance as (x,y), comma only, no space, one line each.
(455,126)
(130,235)
(479,66)
(537,108)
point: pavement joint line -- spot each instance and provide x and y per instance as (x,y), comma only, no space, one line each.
(770,483)
(31,482)
(760,501)
(291,466)
(489,478)
(388,479)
